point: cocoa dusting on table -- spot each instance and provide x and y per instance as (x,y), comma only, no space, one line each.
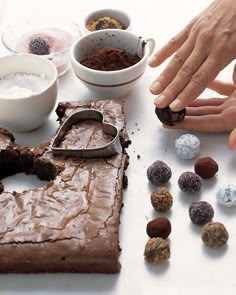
(110,59)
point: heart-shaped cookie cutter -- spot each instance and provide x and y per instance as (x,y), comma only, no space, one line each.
(107,150)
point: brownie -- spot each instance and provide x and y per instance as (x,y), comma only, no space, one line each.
(72,223)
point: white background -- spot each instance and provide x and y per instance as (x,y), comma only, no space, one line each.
(192,268)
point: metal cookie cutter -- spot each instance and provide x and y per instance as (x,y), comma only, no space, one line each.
(107,150)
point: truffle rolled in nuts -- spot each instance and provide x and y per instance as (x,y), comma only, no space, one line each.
(162,200)
(156,250)
(214,234)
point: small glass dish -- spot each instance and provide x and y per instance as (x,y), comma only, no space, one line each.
(60,35)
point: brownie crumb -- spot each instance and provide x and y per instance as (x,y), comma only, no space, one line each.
(138,156)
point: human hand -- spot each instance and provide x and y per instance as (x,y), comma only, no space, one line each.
(213,114)
(202,49)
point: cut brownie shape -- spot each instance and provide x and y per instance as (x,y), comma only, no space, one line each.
(72,223)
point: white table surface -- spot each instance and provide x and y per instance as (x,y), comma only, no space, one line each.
(192,268)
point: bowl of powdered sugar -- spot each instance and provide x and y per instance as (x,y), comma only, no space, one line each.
(28,91)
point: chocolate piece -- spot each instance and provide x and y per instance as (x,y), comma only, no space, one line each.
(187,146)
(214,234)
(206,167)
(190,182)
(162,200)
(201,212)
(169,117)
(159,227)
(156,250)
(72,223)
(226,195)
(110,59)
(159,173)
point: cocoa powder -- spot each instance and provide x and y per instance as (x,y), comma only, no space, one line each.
(110,59)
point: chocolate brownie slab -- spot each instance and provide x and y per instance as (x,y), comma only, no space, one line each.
(72,223)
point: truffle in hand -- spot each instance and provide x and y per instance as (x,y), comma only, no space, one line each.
(169,117)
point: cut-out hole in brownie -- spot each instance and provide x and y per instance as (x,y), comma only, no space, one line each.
(20,182)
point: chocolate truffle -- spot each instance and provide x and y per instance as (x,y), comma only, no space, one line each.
(187,146)
(206,167)
(214,234)
(226,195)
(162,200)
(39,46)
(157,250)
(159,173)
(169,117)
(190,182)
(201,212)
(159,227)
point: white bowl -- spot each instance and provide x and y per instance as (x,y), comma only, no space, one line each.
(111,84)
(119,15)
(27,112)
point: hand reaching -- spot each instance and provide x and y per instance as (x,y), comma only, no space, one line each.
(213,114)
(202,49)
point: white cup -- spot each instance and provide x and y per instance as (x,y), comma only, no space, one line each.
(111,84)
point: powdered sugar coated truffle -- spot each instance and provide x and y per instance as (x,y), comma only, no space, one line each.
(159,173)
(190,182)
(226,195)
(187,146)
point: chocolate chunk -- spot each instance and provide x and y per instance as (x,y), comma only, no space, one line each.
(169,117)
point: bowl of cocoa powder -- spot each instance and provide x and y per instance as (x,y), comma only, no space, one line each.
(110,62)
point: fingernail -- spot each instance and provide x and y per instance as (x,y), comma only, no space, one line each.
(155,87)
(159,100)
(175,104)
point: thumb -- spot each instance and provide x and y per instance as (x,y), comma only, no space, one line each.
(232,140)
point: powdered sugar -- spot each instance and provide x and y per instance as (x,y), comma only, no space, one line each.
(18,85)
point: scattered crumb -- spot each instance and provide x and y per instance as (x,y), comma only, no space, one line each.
(138,156)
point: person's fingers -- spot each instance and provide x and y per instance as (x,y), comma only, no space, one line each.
(202,102)
(204,110)
(172,69)
(183,73)
(205,74)
(232,140)
(208,123)
(234,75)
(221,87)
(169,48)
